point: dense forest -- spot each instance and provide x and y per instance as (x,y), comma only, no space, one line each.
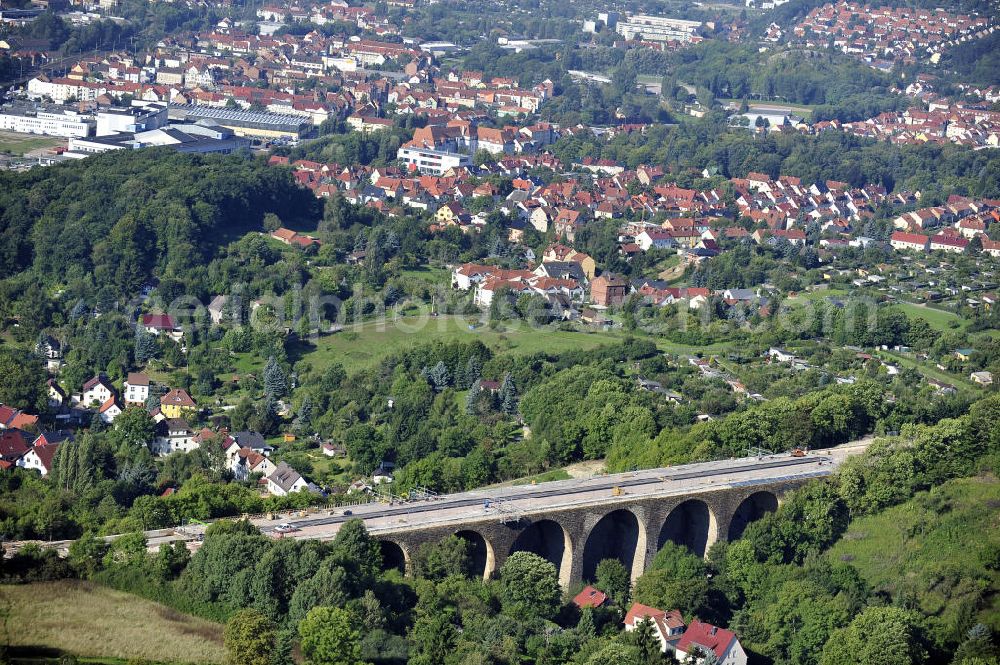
(977,60)
(108,225)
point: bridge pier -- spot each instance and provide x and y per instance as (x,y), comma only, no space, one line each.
(643,549)
(629,528)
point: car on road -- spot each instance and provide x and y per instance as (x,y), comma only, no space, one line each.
(285,527)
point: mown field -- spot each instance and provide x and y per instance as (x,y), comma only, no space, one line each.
(937,319)
(89,620)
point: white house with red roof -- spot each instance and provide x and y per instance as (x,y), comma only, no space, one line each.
(991,247)
(39,458)
(949,243)
(162,324)
(110,410)
(702,638)
(668,625)
(655,239)
(248,462)
(900,240)
(465,276)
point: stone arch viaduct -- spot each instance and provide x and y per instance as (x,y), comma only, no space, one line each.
(630,528)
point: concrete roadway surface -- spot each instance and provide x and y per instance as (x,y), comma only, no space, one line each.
(508,503)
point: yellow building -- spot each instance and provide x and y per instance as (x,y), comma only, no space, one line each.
(176,403)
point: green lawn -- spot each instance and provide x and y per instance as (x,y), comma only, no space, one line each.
(428,274)
(357,347)
(90,620)
(931,548)
(19,144)
(937,319)
(817,295)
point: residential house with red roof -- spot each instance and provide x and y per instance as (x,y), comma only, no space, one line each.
(701,637)
(467,275)
(294,238)
(949,243)
(667,625)
(247,463)
(157,324)
(991,247)
(590,597)
(654,238)
(915,242)
(11,418)
(566,223)
(39,458)
(110,410)
(13,444)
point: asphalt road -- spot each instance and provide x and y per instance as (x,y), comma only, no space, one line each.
(509,503)
(549,490)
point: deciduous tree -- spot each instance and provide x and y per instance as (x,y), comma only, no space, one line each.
(529,586)
(249,638)
(328,637)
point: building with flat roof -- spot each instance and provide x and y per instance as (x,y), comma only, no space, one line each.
(440,48)
(657,28)
(49,121)
(434,162)
(138,118)
(202,137)
(244,123)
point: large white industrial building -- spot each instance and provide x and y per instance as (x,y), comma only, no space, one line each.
(50,122)
(657,28)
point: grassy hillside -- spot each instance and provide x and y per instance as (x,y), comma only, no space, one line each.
(939,552)
(364,345)
(90,620)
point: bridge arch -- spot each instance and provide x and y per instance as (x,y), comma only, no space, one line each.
(549,540)
(751,509)
(481,552)
(618,535)
(691,524)
(393,556)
